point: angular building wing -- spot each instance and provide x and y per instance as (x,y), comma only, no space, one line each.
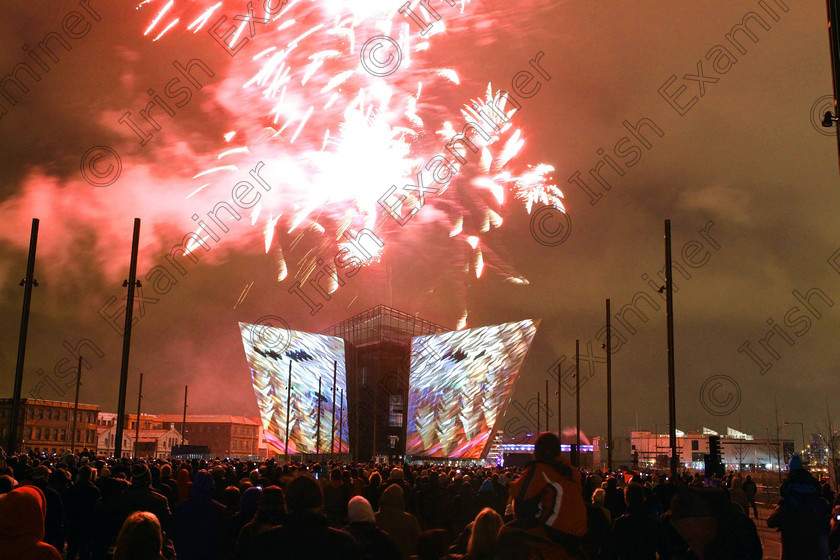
(272,352)
(459,386)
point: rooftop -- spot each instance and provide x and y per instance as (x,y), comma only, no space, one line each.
(381,324)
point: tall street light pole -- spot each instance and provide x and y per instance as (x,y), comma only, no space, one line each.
(669,306)
(131,283)
(609,390)
(28,283)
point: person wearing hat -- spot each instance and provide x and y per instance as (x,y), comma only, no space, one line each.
(372,541)
(141,497)
(802,514)
(54,522)
(306,532)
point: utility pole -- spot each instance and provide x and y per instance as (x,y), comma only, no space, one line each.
(547,427)
(184,420)
(28,283)
(318,420)
(288,411)
(137,426)
(131,283)
(672,396)
(559,398)
(332,418)
(76,407)
(577,403)
(830,119)
(609,390)
(341,421)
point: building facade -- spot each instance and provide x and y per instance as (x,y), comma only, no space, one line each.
(377,352)
(739,451)
(47,426)
(226,435)
(152,443)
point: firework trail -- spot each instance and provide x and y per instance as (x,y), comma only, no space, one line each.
(335,138)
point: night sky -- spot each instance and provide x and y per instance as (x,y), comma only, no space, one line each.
(647,110)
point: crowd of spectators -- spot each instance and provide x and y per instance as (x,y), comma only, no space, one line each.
(92,508)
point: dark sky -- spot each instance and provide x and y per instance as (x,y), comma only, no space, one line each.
(745,164)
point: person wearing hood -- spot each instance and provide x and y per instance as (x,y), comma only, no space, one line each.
(373,542)
(200,522)
(247,508)
(270,512)
(306,532)
(487,497)
(22,514)
(182,484)
(392,518)
(802,515)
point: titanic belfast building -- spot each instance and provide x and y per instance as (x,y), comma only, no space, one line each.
(385,384)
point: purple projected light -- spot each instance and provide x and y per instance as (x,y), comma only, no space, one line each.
(459,385)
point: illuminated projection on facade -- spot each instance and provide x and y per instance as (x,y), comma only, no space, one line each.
(459,386)
(270,351)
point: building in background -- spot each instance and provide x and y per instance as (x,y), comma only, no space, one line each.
(152,443)
(739,451)
(226,435)
(377,364)
(46,426)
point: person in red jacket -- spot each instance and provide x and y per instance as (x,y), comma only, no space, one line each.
(548,493)
(22,513)
(548,508)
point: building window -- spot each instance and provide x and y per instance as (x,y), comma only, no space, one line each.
(695,445)
(395,411)
(38,434)
(392,441)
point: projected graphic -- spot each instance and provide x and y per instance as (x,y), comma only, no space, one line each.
(459,385)
(270,350)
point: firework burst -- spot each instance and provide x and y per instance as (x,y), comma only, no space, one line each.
(335,138)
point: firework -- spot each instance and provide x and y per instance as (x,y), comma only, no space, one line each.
(336,138)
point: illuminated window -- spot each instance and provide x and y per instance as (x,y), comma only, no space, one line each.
(392,441)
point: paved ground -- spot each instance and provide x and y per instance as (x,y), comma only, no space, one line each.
(771,541)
